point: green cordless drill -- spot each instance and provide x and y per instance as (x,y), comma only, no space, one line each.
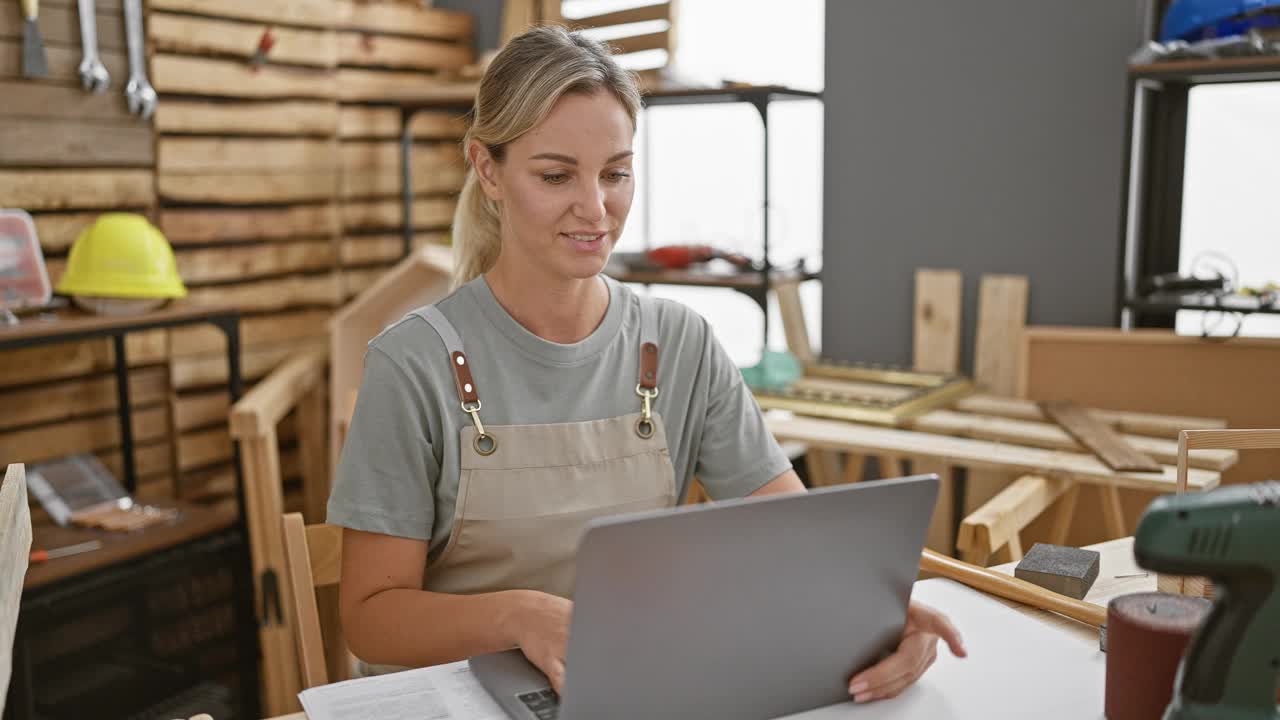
(1232,536)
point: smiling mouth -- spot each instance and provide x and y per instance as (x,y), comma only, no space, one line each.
(586,241)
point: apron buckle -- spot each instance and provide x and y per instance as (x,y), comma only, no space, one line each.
(644,426)
(484,443)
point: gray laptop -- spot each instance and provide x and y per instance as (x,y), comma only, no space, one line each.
(752,608)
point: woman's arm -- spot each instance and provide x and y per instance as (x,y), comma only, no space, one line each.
(389,620)
(787,482)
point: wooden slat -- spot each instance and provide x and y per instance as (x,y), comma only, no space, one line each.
(307,13)
(1244,439)
(65,400)
(304,612)
(251,261)
(201,409)
(262,408)
(646,13)
(639,43)
(313,435)
(1052,437)
(385,155)
(793,322)
(367,249)
(268,187)
(53,441)
(255,330)
(426,179)
(876,391)
(999,522)
(63,61)
(1002,316)
(205,226)
(941,535)
(211,370)
(275,117)
(385,214)
(326,550)
(839,435)
(1098,438)
(936,327)
(355,85)
(203,448)
(76,189)
(196,35)
(61,143)
(71,360)
(274,294)
(150,460)
(61,26)
(63,102)
(356,121)
(57,231)
(115,6)
(404,19)
(226,155)
(364,50)
(237,79)
(1165,426)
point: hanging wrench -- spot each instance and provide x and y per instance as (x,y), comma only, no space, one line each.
(93,74)
(142,97)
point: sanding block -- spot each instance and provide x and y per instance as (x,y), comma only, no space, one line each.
(1065,570)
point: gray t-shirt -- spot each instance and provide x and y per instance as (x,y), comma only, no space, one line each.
(400,463)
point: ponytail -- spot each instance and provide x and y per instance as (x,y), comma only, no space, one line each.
(477,238)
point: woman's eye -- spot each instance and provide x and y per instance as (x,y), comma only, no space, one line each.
(619,175)
(555,178)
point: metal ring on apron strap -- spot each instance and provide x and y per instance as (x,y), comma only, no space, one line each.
(479,444)
(644,426)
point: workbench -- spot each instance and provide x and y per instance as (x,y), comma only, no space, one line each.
(1118,575)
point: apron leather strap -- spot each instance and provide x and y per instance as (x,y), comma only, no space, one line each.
(648,344)
(466,385)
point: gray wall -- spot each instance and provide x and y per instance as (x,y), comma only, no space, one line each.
(984,136)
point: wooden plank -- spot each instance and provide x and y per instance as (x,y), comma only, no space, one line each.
(428,213)
(1252,439)
(404,19)
(262,408)
(207,226)
(226,155)
(306,13)
(203,448)
(206,36)
(115,6)
(53,441)
(310,638)
(1002,316)
(15,557)
(150,460)
(1100,439)
(63,61)
(839,435)
(354,85)
(1052,437)
(385,155)
(639,43)
(427,180)
(61,26)
(62,401)
(368,249)
(999,522)
(364,50)
(211,370)
(255,330)
(275,117)
(237,79)
(252,261)
(358,121)
(1063,515)
(871,391)
(793,322)
(274,294)
(60,143)
(941,535)
(70,360)
(240,187)
(76,189)
(64,102)
(1165,426)
(57,231)
(646,13)
(201,409)
(936,325)
(313,433)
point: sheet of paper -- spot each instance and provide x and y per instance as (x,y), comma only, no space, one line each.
(1018,668)
(443,692)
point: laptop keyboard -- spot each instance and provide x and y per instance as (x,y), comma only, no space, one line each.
(544,704)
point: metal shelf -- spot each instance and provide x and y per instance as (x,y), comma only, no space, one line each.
(1259,68)
(1169,304)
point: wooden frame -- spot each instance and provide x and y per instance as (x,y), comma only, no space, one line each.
(313,558)
(861,400)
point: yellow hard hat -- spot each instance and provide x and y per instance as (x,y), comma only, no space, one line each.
(122,255)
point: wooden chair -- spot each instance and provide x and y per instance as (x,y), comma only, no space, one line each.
(15,553)
(313,558)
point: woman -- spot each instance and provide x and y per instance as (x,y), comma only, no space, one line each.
(493,425)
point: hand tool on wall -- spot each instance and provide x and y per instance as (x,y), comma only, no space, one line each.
(1229,535)
(93,74)
(34,63)
(39,556)
(142,97)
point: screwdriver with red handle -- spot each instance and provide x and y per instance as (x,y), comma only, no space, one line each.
(39,556)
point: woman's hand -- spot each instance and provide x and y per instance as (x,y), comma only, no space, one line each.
(916,652)
(541,623)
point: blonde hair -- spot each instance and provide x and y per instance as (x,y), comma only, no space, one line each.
(518,90)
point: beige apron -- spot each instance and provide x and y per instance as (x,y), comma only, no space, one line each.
(527,492)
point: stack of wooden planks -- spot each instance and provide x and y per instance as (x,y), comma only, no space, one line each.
(67,155)
(391,55)
(643,36)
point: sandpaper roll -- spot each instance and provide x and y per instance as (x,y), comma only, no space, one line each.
(1147,634)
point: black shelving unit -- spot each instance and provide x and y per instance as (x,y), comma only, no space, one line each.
(1154,168)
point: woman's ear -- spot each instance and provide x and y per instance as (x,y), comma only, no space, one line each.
(486,168)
